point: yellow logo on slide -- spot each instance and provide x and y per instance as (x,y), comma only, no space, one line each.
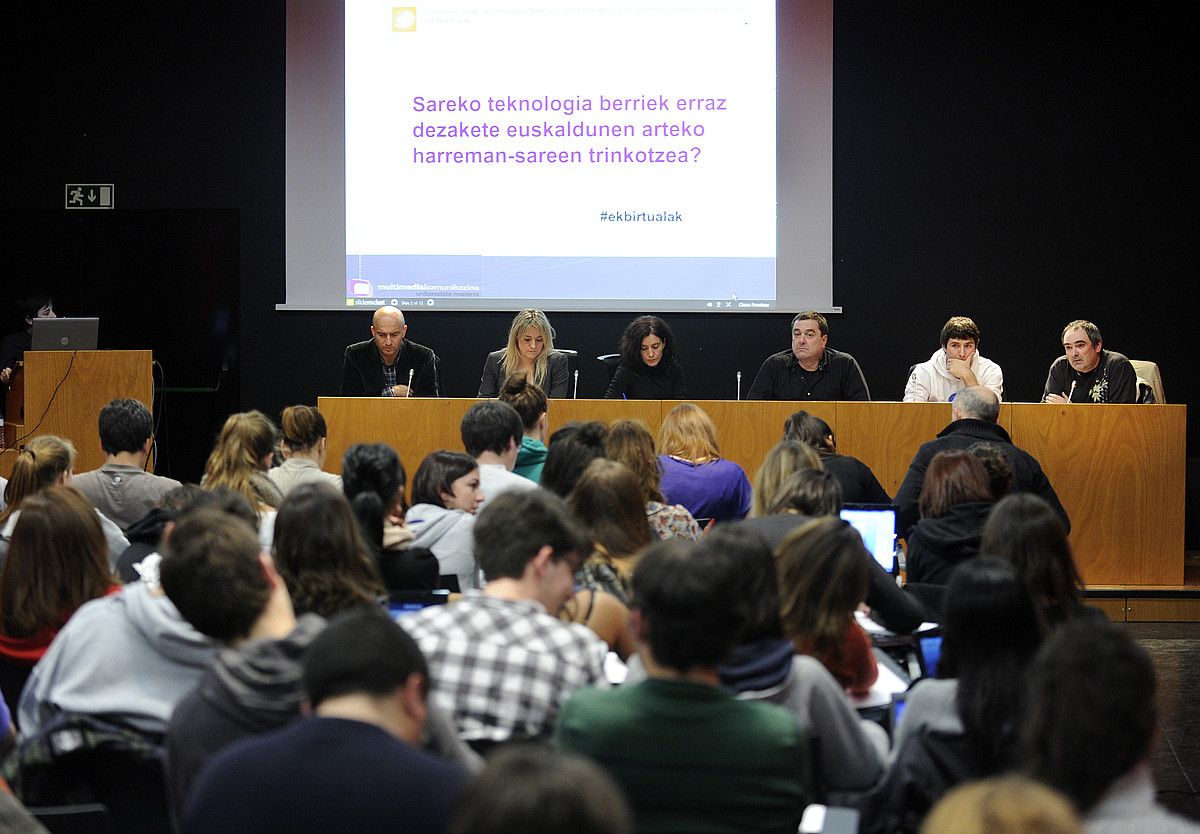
(404,18)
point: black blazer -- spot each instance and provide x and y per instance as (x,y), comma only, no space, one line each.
(557,387)
(362,370)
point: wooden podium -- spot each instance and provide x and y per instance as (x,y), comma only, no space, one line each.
(64,391)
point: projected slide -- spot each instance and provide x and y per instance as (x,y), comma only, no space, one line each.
(561,152)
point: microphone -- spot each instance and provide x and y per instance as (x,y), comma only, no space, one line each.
(408,391)
(739,386)
(575,390)
(1071,393)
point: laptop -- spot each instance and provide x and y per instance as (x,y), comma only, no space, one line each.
(65,334)
(876,523)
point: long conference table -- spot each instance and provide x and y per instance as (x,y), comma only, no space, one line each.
(1118,469)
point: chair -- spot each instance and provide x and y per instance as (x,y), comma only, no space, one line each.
(610,361)
(572,365)
(1150,386)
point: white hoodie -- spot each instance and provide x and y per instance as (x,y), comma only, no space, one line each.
(931,382)
(450,535)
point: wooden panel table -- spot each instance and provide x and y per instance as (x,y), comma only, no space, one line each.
(1118,469)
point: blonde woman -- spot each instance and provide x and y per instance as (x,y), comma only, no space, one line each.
(240,458)
(48,461)
(530,352)
(693,472)
(785,459)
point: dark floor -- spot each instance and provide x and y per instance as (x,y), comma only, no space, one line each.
(1175,648)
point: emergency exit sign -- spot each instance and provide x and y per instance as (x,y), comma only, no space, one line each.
(91,196)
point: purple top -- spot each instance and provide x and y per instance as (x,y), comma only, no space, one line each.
(717,489)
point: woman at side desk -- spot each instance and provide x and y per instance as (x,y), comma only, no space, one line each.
(648,370)
(530,352)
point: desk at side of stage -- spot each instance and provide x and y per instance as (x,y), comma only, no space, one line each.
(1118,469)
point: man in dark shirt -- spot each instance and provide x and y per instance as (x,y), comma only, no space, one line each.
(810,370)
(1088,373)
(975,412)
(389,365)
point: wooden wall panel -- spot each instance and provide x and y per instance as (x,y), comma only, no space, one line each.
(885,436)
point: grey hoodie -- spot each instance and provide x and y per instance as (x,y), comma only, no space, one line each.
(129,657)
(450,535)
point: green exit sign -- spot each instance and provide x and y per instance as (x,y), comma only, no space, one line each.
(91,196)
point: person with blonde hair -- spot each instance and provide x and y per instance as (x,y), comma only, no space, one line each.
(304,446)
(629,442)
(530,353)
(1002,805)
(694,473)
(783,460)
(48,461)
(240,458)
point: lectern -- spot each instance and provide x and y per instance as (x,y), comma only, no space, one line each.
(63,392)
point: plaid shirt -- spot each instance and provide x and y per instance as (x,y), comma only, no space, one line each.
(504,668)
(389,379)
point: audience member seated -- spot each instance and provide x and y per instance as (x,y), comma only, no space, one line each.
(608,500)
(501,661)
(529,355)
(629,442)
(962,725)
(304,446)
(1025,531)
(858,482)
(569,452)
(1090,727)
(254,684)
(997,466)
(355,765)
(782,460)
(126,658)
(847,752)
(955,501)
(491,433)
(975,412)
(535,789)
(1002,805)
(694,473)
(122,489)
(530,402)
(47,461)
(810,493)
(239,461)
(648,370)
(445,496)
(373,480)
(321,555)
(822,580)
(57,561)
(690,756)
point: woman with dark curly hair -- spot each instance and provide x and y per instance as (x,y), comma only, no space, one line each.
(648,370)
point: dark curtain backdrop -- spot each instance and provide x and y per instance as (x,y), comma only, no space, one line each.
(1024,164)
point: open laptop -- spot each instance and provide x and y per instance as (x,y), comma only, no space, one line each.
(65,334)
(876,523)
